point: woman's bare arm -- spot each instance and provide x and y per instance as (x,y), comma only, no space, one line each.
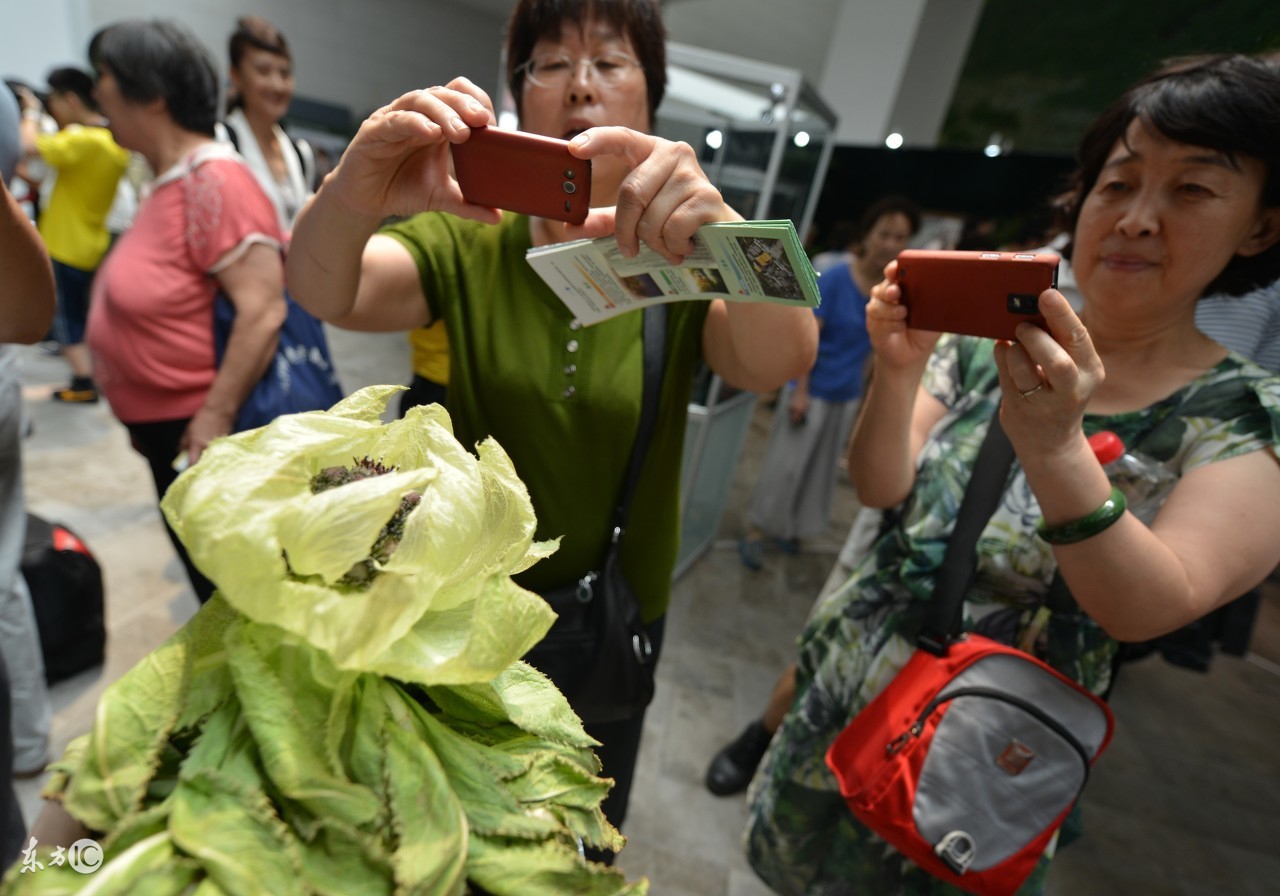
(27,296)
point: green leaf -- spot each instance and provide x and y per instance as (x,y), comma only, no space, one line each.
(507,867)
(364,750)
(476,774)
(178,875)
(123,871)
(555,778)
(248,505)
(230,828)
(340,860)
(430,826)
(472,642)
(133,721)
(135,828)
(286,705)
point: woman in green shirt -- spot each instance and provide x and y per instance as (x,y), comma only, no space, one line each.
(561,399)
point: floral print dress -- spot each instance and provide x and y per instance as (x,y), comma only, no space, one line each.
(801,838)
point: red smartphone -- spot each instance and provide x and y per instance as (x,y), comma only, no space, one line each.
(975,293)
(523,173)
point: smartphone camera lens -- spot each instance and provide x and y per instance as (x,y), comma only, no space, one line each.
(1024,303)
(570,187)
(570,173)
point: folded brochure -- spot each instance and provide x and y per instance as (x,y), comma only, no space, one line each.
(741,261)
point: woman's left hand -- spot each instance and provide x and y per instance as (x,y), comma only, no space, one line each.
(661,203)
(207,425)
(1047,378)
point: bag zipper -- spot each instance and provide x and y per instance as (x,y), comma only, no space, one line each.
(899,743)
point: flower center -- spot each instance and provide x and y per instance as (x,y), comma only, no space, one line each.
(365,571)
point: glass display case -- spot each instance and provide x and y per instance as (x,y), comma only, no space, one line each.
(763,134)
(764,137)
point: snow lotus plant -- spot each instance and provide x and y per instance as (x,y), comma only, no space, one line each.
(349,714)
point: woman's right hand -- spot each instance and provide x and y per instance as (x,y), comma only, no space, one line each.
(895,344)
(399,161)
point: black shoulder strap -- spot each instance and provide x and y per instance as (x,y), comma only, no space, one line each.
(981,497)
(232,136)
(654,335)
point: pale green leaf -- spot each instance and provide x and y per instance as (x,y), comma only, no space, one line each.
(248,504)
(473,642)
(230,828)
(287,714)
(475,774)
(506,867)
(177,876)
(133,721)
(327,533)
(120,873)
(340,861)
(430,826)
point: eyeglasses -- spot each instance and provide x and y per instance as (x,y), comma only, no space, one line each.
(557,69)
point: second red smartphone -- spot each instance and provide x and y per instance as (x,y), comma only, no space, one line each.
(975,293)
(523,173)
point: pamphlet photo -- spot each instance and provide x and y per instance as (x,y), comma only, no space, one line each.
(769,261)
(740,261)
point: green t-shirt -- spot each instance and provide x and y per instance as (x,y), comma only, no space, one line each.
(561,399)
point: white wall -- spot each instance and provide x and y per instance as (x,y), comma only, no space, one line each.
(933,67)
(881,64)
(795,33)
(38,35)
(358,54)
(868,56)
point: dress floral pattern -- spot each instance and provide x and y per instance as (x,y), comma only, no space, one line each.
(801,838)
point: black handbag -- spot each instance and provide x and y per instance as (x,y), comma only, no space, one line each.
(67,595)
(598,653)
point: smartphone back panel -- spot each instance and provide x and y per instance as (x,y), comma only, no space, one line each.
(523,173)
(975,293)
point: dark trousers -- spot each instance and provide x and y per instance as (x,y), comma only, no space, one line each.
(13,832)
(423,391)
(158,443)
(619,748)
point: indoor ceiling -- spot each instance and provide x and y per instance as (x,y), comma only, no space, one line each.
(734,26)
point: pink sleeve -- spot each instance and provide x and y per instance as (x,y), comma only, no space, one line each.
(227,212)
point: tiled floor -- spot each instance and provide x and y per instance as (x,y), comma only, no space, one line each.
(1187,801)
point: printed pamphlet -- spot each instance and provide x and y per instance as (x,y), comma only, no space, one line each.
(740,261)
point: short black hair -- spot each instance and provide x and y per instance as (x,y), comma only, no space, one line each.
(160,59)
(14,84)
(888,205)
(74,81)
(1229,103)
(640,21)
(253,33)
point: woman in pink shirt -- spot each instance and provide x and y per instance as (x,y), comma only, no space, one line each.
(205,225)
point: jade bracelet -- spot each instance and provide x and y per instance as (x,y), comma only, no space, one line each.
(1087,526)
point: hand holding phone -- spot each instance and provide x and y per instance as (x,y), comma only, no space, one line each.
(974,293)
(523,173)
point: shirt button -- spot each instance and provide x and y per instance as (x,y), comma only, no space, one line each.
(573,345)
(575,324)
(571,370)
(568,392)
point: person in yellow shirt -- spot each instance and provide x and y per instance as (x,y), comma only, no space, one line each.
(430,384)
(88,164)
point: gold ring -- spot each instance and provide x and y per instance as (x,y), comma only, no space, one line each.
(1027,393)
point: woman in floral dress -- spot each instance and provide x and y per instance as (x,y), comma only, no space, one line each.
(1178,196)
